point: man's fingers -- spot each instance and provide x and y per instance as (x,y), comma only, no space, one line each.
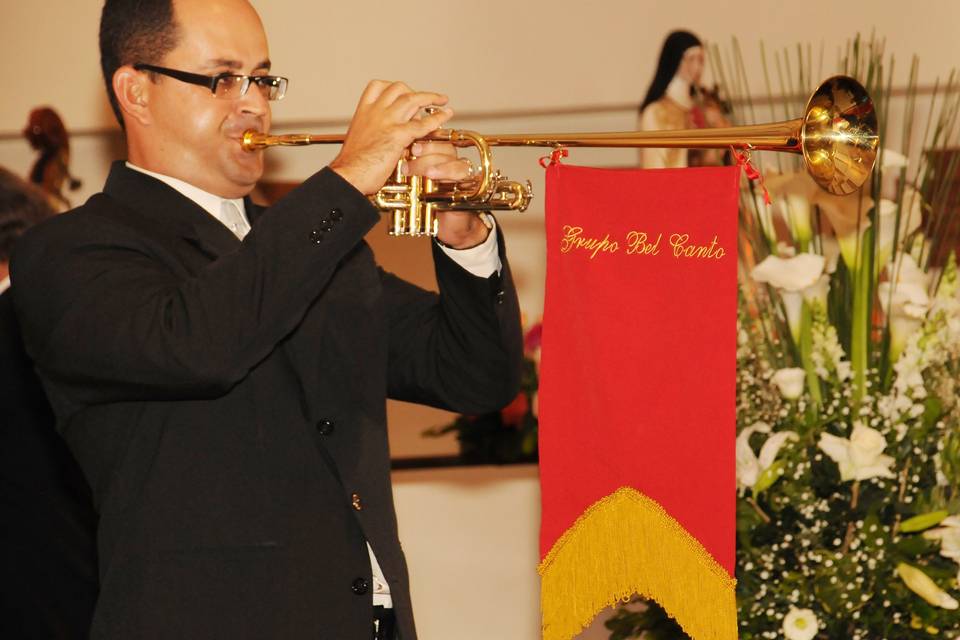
(435,148)
(373,91)
(439,167)
(427,124)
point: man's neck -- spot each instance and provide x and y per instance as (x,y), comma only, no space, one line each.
(4,270)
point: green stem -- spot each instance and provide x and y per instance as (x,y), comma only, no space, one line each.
(806,355)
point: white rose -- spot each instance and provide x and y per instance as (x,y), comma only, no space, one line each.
(800,624)
(861,457)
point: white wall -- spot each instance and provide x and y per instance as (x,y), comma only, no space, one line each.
(508,66)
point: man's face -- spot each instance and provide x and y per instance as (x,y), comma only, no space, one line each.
(193,135)
(691,65)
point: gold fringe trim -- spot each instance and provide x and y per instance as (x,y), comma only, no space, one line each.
(626,544)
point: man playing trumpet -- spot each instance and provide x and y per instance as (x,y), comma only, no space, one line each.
(220,370)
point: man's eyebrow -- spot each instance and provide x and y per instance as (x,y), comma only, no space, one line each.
(235,65)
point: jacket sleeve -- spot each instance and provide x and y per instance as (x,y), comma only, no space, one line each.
(460,350)
(105,320)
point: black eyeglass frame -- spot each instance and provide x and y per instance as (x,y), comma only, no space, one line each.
(211,82)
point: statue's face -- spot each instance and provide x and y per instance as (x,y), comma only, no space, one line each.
(691,65)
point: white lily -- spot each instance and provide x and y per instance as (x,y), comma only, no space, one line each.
(765,215)
(922,585)
(791,276)
(892,162)
(910,219)
(800,624)
(948,533)
(905,301)
(798,217)
(749,465)
(861,457)
(831,252)
(790,382)
(817,292)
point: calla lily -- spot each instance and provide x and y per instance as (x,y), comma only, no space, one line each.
(750,466)
(891,163)
(921,584)
(800,624)
(791,276)
(861,457)
(790,382)
(948,533)
(910,219)
(831,252)
(765,216)
(905,301)
(818,292)
(798,216)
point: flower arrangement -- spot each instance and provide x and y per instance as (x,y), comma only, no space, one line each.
(848,445)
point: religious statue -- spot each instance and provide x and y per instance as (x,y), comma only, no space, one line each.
(47,134)
(676,100)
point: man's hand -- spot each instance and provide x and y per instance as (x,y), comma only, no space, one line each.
(383,126)
(438,161)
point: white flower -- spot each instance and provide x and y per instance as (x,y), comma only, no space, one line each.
(861,457)
(831,251)
(765,215)
(749,466)
(904,300)
(818,291)
(921,584)
(798,216)
(790,382)
(948,533)
(791,274)
(892,162)
(800,624)
(911,217)
(791,277)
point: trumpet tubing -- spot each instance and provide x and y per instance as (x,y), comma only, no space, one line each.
(837,136)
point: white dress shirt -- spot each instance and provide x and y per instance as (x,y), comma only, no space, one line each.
(481,261)
(4,284)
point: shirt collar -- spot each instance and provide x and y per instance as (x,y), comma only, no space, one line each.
(205,200)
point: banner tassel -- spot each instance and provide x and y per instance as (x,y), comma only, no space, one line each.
(626,544)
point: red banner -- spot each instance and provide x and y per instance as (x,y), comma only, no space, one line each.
(637,395)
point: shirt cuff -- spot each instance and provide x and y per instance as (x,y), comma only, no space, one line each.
(482,260)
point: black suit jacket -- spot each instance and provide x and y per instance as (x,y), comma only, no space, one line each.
(48,565)
(226,400)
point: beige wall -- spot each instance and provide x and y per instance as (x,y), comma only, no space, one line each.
(508,66)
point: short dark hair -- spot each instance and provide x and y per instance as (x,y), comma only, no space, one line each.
(21,206)
(133,31)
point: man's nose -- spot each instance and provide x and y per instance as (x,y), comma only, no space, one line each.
(253,102)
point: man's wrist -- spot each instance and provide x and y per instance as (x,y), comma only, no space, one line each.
(476,233)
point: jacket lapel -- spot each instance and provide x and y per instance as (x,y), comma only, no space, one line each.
(164,205)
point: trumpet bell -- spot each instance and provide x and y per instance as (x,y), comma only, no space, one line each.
(839,135)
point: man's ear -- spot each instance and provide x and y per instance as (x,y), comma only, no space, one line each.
(132,89)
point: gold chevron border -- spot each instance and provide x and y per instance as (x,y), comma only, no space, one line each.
(626,544)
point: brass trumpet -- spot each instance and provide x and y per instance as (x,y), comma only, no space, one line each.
(837,136)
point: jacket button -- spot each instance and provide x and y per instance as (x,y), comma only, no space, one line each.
(500,295)
(325,427)
(315,236)
(325,225)
(360,586)
(355,501)
(336,215)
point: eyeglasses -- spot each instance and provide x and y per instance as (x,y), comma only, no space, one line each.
(228,86)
